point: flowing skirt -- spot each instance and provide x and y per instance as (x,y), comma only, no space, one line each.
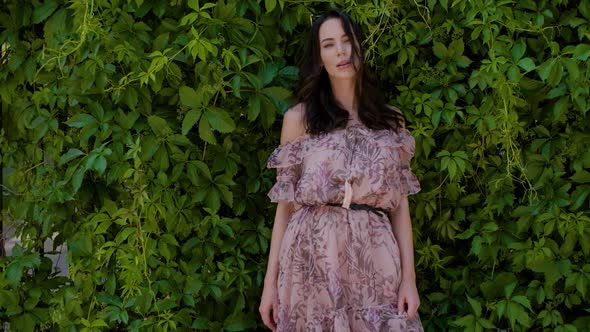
(340,270)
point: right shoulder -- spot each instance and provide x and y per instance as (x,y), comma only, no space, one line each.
(293,123)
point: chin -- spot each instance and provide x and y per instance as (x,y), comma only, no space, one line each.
(343,75)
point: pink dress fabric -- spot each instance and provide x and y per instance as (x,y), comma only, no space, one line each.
(339,269)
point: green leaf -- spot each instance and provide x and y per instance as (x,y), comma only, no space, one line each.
(80,120)
(236,84)
(44,11)
(127,120)
(220,120)
(572,68)
(522,300)
(440,51)
(123,235)
(159,126)
(100,164)
(452,168)
(254,106)
(581,52)
(579,196)
(188,19)
(584,8)
(581,177)
(277,94)
(555,74)
(486,323)
(515,313)
(69,156)
(190,119)
(270,5)
(205,131)
(103,227)
(508,289)
(457,47)
(289,72)
(161,158)
(78,177)
(81,246)
(212,200)
(527,64)
(466,321)
(99,323)
(193,4)
(227,230)
(518,50)
(268,72)
(470,199)
(560,107)
(226,195)
(545,69)
(131,98)
(558,91)
(239,322)
(24,322)
(216,291)
(193,285)
(189,98)
(475,305)
(201,168)
(149,147)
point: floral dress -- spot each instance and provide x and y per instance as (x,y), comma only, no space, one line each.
(339,268)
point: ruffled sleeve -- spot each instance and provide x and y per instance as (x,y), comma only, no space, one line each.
(287,159)
(408,181)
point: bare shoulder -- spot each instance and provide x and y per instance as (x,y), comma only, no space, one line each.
(400,114)
(293,123)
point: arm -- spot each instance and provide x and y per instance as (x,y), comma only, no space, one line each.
(401,224)
(284,210)
(292,128)
(402,229)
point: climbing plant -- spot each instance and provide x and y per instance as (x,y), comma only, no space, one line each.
(137,133)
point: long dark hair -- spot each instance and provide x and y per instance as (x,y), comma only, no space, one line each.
(322,113)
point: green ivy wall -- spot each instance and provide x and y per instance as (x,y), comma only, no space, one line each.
(139,130)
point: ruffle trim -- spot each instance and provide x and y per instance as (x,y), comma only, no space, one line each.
(282,190)
(374,318)
(292,153)
(409,182)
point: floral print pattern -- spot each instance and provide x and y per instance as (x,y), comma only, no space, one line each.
(340,269)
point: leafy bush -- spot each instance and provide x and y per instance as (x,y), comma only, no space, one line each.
(139,132)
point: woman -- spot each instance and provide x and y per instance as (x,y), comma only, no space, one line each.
(341,255)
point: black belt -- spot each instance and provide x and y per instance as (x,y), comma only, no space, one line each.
(365,207)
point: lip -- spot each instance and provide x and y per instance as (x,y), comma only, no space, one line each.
(343,64)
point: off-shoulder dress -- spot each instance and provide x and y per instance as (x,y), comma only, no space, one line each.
(339,268)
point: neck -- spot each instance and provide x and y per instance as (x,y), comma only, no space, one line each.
(344,94)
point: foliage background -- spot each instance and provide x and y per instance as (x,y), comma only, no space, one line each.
(139,131)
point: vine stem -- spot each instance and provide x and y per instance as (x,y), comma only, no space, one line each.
(84,30)
(421,15)
(35,166)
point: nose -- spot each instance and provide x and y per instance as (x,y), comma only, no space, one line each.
(340,48)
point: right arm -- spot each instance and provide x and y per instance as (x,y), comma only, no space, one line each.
(293,128)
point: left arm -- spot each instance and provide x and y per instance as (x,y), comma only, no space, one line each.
(402,229)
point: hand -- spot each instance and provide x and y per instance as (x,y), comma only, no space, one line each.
(408,300)
(269,305)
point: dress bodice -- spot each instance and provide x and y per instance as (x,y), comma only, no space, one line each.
(349,165)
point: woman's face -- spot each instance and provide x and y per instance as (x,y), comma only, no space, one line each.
(336,50)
